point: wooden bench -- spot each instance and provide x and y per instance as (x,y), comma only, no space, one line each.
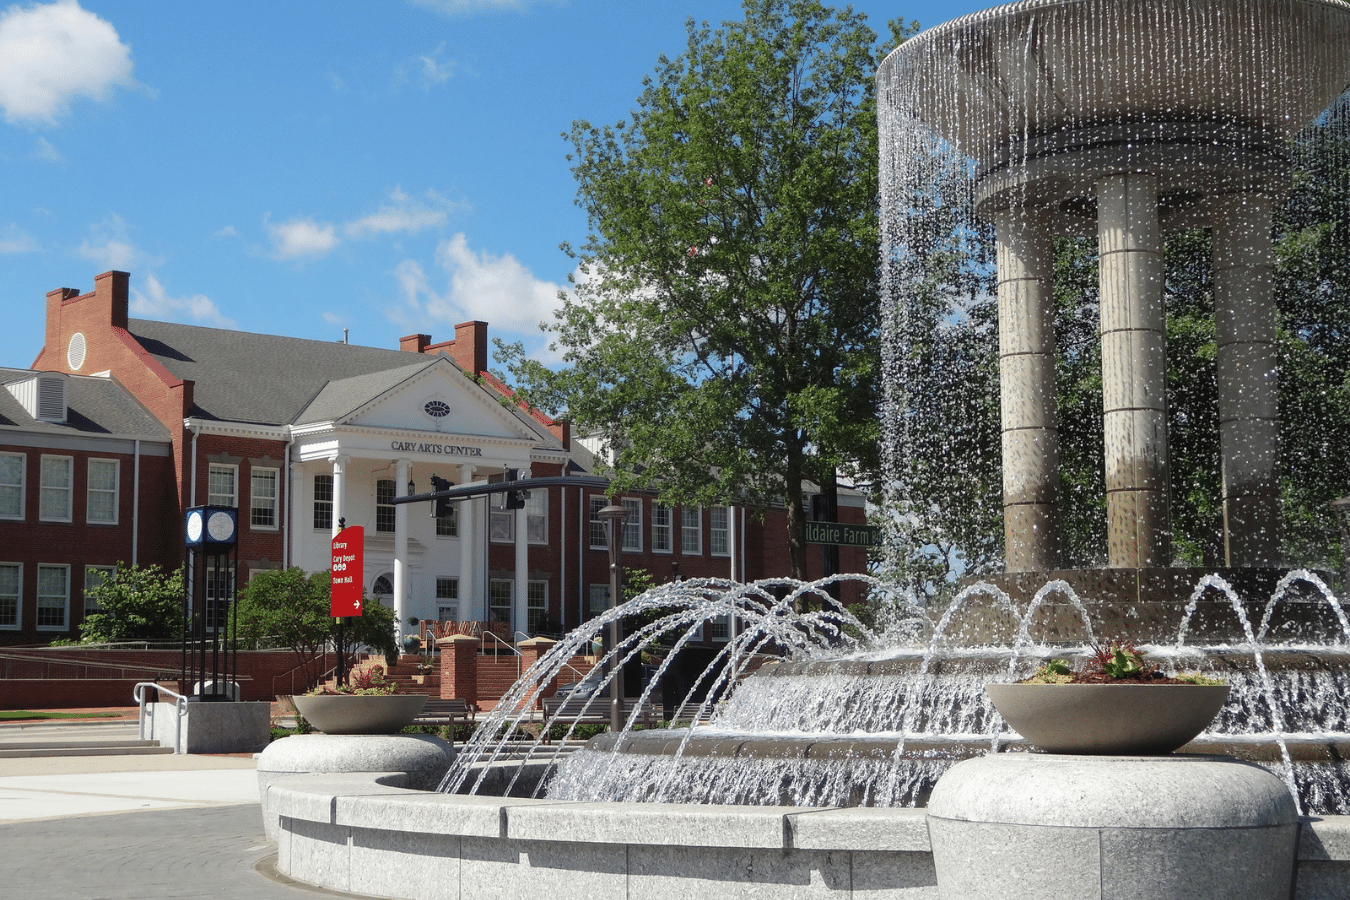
(440,711)
(566,710)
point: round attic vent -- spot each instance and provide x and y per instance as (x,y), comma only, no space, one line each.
(437,409)
(75,351)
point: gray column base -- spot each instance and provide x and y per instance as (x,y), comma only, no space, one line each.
(1037,826)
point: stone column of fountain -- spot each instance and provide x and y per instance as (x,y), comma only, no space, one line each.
(1125,120)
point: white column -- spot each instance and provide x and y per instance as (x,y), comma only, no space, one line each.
(339,489)
(468,552)
(1249,429)
(401,469)
(1134,371)
(522,547)
(1030,432)
(301,524)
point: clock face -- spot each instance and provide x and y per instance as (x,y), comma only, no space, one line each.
(220,526)
(194,526)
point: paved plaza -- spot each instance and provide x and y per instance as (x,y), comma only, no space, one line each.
(132,827)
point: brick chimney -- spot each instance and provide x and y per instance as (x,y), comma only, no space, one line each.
(469,350)
(414,343)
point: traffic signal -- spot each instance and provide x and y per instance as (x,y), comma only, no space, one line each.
(440,506)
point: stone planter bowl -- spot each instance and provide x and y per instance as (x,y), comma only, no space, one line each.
(360,713)
(1109,719)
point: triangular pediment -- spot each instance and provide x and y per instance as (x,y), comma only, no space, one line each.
(433,396)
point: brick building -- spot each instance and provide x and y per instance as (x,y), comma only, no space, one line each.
(300,434)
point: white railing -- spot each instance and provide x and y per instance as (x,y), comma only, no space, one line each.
(180,708)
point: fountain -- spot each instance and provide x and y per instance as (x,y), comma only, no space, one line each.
(1119,118)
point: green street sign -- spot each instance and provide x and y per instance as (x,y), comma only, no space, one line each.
(844,535)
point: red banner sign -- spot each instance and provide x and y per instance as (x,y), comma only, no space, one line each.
(348,553)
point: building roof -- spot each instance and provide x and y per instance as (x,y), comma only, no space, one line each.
(263,379)
(94,406)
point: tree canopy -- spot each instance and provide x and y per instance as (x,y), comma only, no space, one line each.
(290,608)
(135,603)
(721,336)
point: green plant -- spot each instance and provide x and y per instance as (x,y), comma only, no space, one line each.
(1197,678)
(1120,659)
(1055,671)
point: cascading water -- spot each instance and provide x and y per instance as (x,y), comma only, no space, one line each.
(853,717)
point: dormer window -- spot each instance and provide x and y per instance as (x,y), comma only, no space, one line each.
(43,395)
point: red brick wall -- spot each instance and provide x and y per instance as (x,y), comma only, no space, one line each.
(60,675)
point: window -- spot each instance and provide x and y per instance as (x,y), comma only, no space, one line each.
(222,485)
(57,481)
(536,517)
(597,529)
(219,595)
(501,522)
(101,508)
(447,599)
(691,529)
(11,578)
(719,543)
(93,577)
(11,485)
(719,629)
(384,506)
(536,605)
(323,502)
(383,590)
(599,599)
(661,536)
(262,501)
(53,597)
(501,595)
(632,526)
(448,526)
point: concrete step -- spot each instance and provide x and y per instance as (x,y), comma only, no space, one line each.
(85,748)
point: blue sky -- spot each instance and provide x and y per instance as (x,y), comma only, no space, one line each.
(303,167)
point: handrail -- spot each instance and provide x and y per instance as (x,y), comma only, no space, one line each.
(46,664)
(512,647)
(180,704)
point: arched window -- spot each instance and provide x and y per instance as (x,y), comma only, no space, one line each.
(383,589)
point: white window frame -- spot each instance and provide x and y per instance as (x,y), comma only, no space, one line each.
(17,489)
(447,598)
(326,509)
(536,517)
(386,513)
(107,572)
(536,601)
(663,528)
(17,624)
(722,532)
(694,548)
(501,525)
(64,597)
(218,498)
(510,589)
(52,490)
(447,527)
(270,504)
(632,526)
(595,526)
(91,491)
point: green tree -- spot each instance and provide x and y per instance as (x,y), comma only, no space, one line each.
(290,608)
(135,603)
(722,335)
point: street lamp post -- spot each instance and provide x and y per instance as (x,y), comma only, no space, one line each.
(613,516)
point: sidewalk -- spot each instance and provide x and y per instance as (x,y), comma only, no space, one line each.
(132,827)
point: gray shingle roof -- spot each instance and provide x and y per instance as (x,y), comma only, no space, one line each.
(338,398)
(93,406)
(262,378)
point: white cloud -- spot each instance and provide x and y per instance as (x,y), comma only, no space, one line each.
(227,232)
(499,290)
(157,304)
(402,214)
(14,239)
(110,246)
(300,238)
(45,150)
(434,71)
(50,54)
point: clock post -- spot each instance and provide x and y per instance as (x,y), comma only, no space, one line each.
(210,662)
